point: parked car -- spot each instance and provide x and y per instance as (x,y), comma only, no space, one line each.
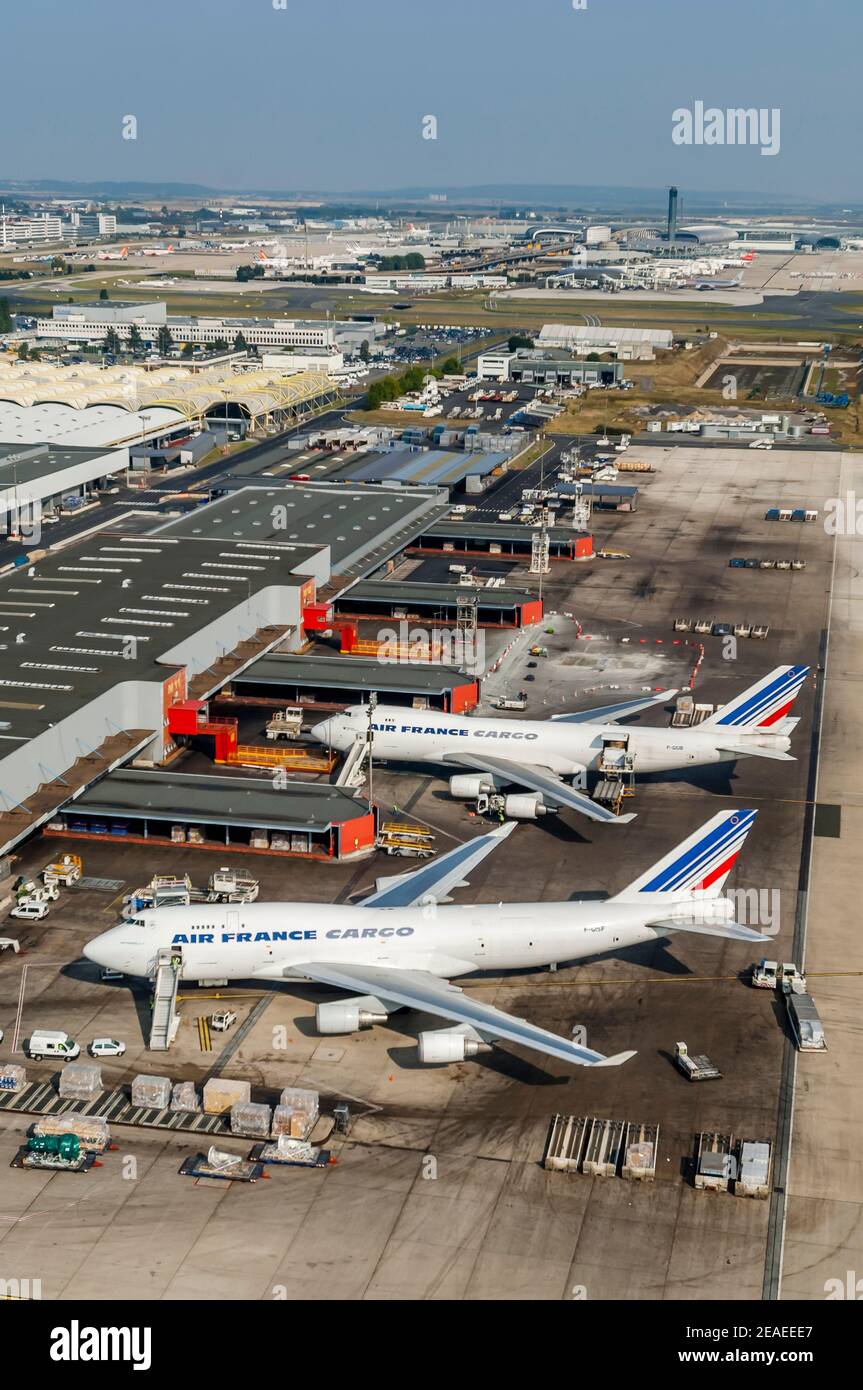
(107,1047)
(108,974)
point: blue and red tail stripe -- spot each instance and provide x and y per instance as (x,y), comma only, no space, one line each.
(708,859)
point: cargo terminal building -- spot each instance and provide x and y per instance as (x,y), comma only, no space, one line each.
(106,636)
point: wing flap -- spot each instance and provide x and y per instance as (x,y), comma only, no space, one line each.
(416,989)
(539,779)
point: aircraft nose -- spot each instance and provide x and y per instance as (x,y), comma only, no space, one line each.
(323,731)
(107,951)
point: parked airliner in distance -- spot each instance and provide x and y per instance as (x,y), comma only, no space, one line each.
(399,948)
(491,753)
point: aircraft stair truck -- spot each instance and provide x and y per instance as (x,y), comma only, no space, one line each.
(66,870)
(352,771)
(165,1020)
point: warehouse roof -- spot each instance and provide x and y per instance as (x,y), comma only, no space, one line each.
(26,463)
(241,801)
(110,610)
(93,427)
(433,467)
(560,334)
(362,526)
(350,672)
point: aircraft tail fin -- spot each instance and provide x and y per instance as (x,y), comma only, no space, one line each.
(763,705)
(698,866)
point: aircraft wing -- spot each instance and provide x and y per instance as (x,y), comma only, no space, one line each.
(417,989)
(609,714)
(538,779)
(436,878)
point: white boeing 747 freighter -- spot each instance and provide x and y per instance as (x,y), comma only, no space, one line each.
(539,754)
(400,948)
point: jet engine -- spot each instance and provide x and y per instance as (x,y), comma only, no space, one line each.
(443,1045)
(470,787)
(524,807)
(349,1015)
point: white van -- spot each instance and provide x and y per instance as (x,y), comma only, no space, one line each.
(44,1043)
(30,911)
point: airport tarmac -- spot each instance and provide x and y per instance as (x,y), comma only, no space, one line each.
(438,1191)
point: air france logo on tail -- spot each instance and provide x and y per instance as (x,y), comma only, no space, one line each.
(703,862)
(764,704)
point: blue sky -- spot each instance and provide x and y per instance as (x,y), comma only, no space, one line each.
(331,94)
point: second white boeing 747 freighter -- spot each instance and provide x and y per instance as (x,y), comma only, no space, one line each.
(487,754)
(399,948)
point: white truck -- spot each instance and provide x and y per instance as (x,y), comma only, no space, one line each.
(285,723)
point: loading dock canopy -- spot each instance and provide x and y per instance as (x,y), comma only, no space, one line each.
(621,491)
(506,533)
(439,600)
(186,798)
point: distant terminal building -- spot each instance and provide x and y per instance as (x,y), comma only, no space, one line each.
(88,323)
(44,227)
(547,367)
(94,224)
(41,401)
(582,340)
(421,280)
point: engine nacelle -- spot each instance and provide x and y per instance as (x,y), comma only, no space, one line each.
(469,787)
(520,806)
(444,1045)
(349,1015)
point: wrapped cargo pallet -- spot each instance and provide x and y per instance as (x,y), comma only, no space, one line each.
(306,1108)
(185,1097)
(281,1121)
(80,1082)
(152,1092)
(12,1077)
(220,1093)
(250,1120)
(92,1130)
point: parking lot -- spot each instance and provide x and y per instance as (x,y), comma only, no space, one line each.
(439,1191)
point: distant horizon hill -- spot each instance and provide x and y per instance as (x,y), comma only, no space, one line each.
(586,198)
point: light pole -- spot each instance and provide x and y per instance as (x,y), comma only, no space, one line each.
(373,700)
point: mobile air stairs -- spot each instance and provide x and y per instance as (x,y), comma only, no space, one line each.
(166,1020)
(352,771)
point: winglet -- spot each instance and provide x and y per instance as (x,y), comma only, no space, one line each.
(616,1061)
